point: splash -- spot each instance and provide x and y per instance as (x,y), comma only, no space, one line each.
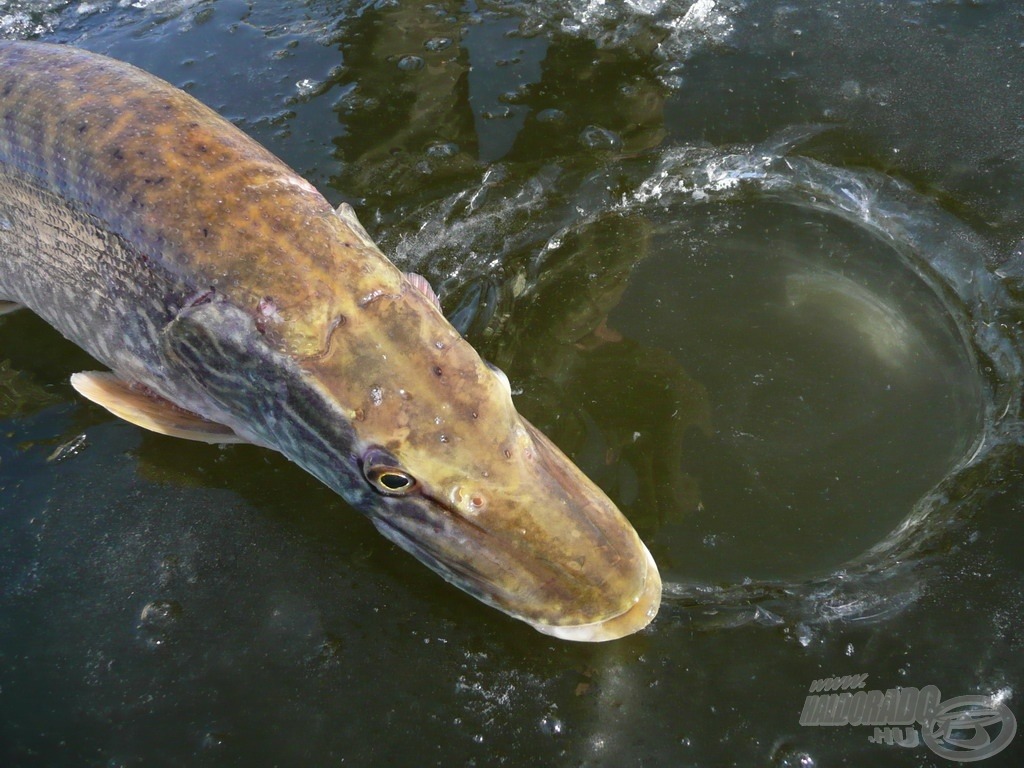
(673,31)
(516,233)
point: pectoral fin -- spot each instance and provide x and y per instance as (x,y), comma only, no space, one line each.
(421,284)
(147,410)
(10,306)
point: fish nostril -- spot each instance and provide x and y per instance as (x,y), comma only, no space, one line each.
(471,503)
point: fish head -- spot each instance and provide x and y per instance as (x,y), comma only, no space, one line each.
(452,473)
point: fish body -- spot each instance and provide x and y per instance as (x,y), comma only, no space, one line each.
(231,302)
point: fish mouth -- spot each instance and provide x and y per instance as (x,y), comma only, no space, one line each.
(468,578)
(632,620)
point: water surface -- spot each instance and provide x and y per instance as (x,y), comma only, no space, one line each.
(755,266)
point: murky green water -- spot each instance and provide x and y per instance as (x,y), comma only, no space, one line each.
(754,265)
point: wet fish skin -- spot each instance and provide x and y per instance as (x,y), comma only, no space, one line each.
(199,268)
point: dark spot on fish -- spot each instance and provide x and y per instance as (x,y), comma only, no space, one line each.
(8,88)
(202,148)
(438,372)
(202,298)
(206,232)
(83,127)
(117,154)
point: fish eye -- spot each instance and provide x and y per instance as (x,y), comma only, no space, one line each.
(391,481)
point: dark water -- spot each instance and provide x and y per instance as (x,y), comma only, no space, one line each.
(754,265)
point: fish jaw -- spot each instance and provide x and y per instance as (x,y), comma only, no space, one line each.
(632,620)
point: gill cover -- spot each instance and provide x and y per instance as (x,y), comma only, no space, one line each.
(259,392)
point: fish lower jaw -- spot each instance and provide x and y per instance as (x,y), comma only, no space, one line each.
(633,619)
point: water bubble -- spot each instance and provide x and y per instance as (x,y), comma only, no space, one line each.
(214,739)
(330,654)
(595,137)
(550,725)
(156,620)
(438,43)
(670,74)
(160,613)
(804,635)
(307,87)
(551,116)
(531,27)
(68,450)
(443,149)
(515,96)
(411,63)
(500,113)
(788,756)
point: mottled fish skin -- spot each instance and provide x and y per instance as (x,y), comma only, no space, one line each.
(192,262)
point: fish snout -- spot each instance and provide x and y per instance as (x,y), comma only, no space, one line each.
(632,620)
(607,582)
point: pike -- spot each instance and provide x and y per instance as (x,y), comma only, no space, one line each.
(232,303)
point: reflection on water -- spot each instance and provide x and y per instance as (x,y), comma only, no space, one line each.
(796,375)
(832,299)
